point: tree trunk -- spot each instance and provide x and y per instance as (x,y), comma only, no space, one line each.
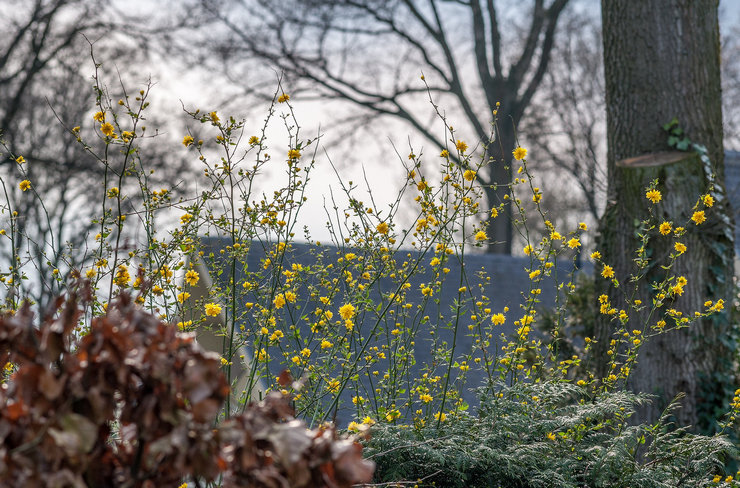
(500,228)
(661,60)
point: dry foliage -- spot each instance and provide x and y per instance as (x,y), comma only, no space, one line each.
(134,403)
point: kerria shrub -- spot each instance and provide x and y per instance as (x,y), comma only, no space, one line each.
(340,332)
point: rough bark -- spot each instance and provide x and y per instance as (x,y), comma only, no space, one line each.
(661,61)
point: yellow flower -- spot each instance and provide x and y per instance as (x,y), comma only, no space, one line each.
(574,243)
(708,200)
(480,236)
(20,160)
(187,140)
(607,271)
(698,217)
(283,98)
(441,416)
(184,325)
(519,153)
(426,291)
(550,435)
(653,195)
(325,344)
(527,249)
(181,297)
(213,309)
(665,228)
(347,311)
(583,226)
(99,117)
(305,352)
(720,305)
(113,192)
(279,301)
(254,140)
(24,185)
(679,247)
(122,275)
(498,319)
(595,255)
(214,117)
(192,277)
(469,175)
(445,153)
(382,228)
(461,146)
(107,129)
(157,290)
(494,213)
(294,154)
(555,236)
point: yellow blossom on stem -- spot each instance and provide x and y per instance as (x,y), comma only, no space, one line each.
(519,153)
(653,195)
(213,309)
(595,255)
(294,154)
(99,117)
(24,185)
(679,247)
(108,129)
(445,153)
(20,160)
(283,98)
(187,140)
(698,217)
(607,271)
(498,319)
(461,146)
(192,277)
(708,200)
(347,311)
(665,228)
(480,236)
(382,228)
(574,243)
